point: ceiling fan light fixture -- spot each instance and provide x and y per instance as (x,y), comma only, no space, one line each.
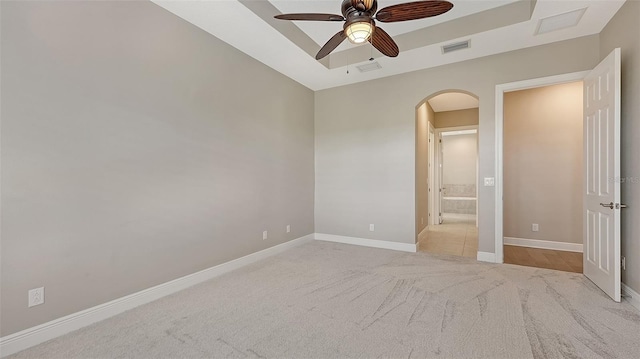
(359,32)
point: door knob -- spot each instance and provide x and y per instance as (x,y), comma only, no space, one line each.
(610,205)
(620,206)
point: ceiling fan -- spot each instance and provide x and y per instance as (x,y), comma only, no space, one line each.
(359,17)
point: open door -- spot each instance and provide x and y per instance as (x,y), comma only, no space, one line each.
(601,234)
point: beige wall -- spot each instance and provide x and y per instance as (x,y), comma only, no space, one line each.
(459,155)
(623,31)
(468,117)
(365,155)
(424,116)
(543,163)
(137,148)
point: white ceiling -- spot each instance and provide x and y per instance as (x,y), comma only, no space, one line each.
(452,101)
(234,23)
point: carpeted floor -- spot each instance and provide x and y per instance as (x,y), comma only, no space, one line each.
(329,300)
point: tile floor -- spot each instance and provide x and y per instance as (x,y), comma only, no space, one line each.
(457,235)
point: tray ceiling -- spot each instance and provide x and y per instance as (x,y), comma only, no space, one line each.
(492,26)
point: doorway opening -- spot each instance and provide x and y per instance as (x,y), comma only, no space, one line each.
(600,183)
(458,173)
(447,174)
(542,176)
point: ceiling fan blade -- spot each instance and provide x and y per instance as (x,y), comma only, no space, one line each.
(413,10)
(331,45)
(384,43)
(310,17)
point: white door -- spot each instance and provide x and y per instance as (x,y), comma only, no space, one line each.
(601,234)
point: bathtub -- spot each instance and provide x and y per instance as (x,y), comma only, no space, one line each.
(462,205)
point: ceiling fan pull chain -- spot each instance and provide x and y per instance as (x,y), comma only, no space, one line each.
(347,64)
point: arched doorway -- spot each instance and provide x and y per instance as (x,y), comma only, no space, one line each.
(447,173)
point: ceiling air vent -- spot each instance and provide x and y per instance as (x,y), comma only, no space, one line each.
(369,67)
(561,21)
(456,46)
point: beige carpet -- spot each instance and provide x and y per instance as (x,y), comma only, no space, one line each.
(329,300)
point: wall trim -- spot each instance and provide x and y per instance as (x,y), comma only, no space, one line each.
(631,296)
(486,257)
(542,244)
(375,243)
(27,338)
(499,142)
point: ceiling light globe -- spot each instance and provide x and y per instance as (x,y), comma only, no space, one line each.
(359,32)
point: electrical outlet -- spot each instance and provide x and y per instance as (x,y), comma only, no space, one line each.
(264,235)
(422,220)
(623,263)
(535,227)
(288,228)
(489,181)
(371,228)
(36,296)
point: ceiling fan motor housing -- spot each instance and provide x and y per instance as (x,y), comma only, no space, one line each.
(349,9)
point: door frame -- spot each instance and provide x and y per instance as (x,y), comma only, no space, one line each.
(499,188)
(438,167)
(431,202)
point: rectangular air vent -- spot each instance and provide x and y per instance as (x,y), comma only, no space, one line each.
(369,67)
(456,46)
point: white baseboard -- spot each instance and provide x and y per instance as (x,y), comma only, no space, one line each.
(486,257)
(631,296)
(537,243)
(375,243)
(24,339)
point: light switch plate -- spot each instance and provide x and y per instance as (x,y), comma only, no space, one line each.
(489,181)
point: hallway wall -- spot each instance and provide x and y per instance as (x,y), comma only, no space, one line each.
(467,117)
(543,171)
